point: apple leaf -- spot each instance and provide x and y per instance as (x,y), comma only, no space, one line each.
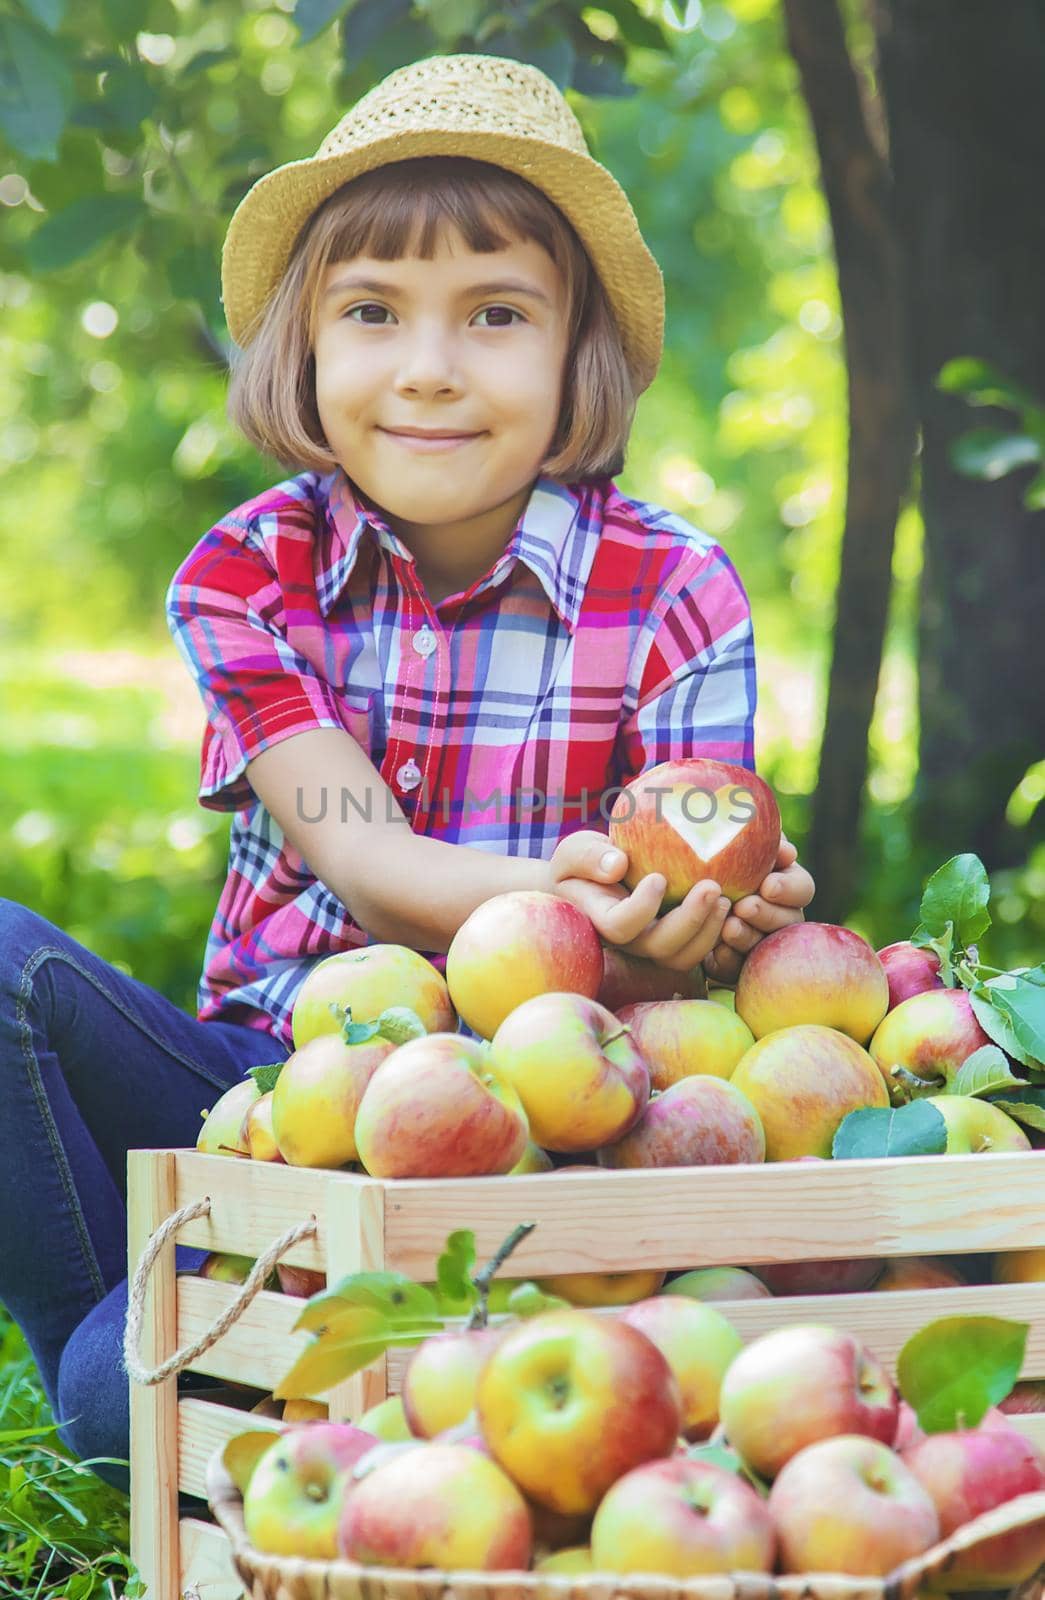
(724,1456)
(1020,997)
(455,1267)
(984,1071)
(527,1300)
(951,1371)
(1026,1105)
(399,1023)
(957,893)
(267,1077)
(355,1322)
(995,1023)
(243,1452)
(916,1129)
(386,1294)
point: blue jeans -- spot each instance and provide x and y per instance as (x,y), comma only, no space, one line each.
(93,1064)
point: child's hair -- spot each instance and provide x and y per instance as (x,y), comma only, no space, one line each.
(272,393)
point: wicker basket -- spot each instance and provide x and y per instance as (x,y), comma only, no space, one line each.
(268,1577)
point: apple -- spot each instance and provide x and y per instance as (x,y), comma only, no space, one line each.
(801,1383)
(919,1272)
(802,1081)
(257,1130)
(368,981)
(813,972)
(533,1159)
(677,1038)
(850,1505)
(574,1559)
(698,1344)
(1019,1266)
(437,1505)
(908,1428)
(222,1267)
(303,1282)
(685,1518)
(297,1410)
(930,1034)
(975,1127)
(576,1069)
(723,996)
(698,1122)
(1026,1397)
(516,946)
(317,1098)
(292,1503)
(223,1133)
(438,1107)
(821,1277)
(603,1288)
(909,970)
(570,1400)
(693,819)
(387,1420)
(970,1472)
(627,980)
(718,1283)
(440,1379)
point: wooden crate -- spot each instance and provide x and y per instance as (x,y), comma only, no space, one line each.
(590,1221)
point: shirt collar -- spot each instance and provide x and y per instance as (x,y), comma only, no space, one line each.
(555,537)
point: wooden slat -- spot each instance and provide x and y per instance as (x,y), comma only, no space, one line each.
(1031,1425)
(681,1218)
(253,1202)
(154,1407)
(206,1562)
(205,1426)
(258,1349)
(355,1241)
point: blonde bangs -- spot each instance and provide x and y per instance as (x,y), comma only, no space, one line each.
(398,210)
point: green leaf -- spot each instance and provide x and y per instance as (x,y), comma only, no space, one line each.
(36,88)
(452,19)
(1026,1105)
(1020,998)
(953,1370)
(991,453)
(983,384)
(527,1300)
(390,1295)
(984,1071)
(355,1322)
(1034,494)
(400,1024)
(642,32)
(957,893)
(454,1269)
(267,1077)
(72,233)
(916,1129)
(313,16)
(996,1024)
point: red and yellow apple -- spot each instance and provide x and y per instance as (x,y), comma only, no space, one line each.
(976,1127)
(300,1410)
(930,1034)
(516,946)
(570,1400)
(969,1472)
(910,970)
(292,1504)
(848,1504)
(718,1283)
(698,1344)
(576,1069)
(918,1272)
(603,1288)
(843,1276)
(698,1122)
(677,1038)
(438,1107)
(368,981)
(684,1518)
(222,1267)
(802,1081)
(801,1383)
(629,980)
(441,1376)
(813,972)
(533,1159)
(258,1131)
(437,1505)
(302,1282)
(317,1098)
(223,1132)
(1019,1266)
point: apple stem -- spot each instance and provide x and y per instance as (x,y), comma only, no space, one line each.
(485,1276)
(611,1038)
(912,1082)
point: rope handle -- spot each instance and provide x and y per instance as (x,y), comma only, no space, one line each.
(252,1285)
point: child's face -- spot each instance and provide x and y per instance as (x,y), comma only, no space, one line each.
(432,350)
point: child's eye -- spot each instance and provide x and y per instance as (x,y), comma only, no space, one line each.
(372,305)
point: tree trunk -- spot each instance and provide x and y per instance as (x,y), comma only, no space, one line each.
(963,84)
(856,183)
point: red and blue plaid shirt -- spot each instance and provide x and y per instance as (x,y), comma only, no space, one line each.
(610,635)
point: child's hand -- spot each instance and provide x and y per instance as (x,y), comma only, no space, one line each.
(679,940)
(778,901)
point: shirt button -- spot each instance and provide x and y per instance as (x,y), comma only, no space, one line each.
(424,641)
(409,775)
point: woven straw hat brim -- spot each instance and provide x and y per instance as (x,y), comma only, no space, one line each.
(266,223)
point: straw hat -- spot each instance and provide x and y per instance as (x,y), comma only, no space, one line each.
(487,107)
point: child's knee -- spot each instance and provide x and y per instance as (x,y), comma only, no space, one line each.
(93,1393)
(21,933)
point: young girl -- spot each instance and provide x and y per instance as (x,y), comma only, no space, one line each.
(429,658)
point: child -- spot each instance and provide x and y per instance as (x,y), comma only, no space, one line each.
(427,667)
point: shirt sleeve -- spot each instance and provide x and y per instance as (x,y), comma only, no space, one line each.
(256,689)
(696,690)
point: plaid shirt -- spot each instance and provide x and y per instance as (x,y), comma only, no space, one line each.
(610,635)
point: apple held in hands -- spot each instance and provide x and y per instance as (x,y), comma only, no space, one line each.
(293,1501)
(802,1081)
(516,946)
(570,1400)
(698,1122)
(909,970)
(801,1383)
(576,1069)
(437,1505)
(930,1034)
(850,1505)
(682,1038)
(698,1344)
(813,972)
(630,980)
(685,1518)
(368,981)
(317,1098)
(693,819)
